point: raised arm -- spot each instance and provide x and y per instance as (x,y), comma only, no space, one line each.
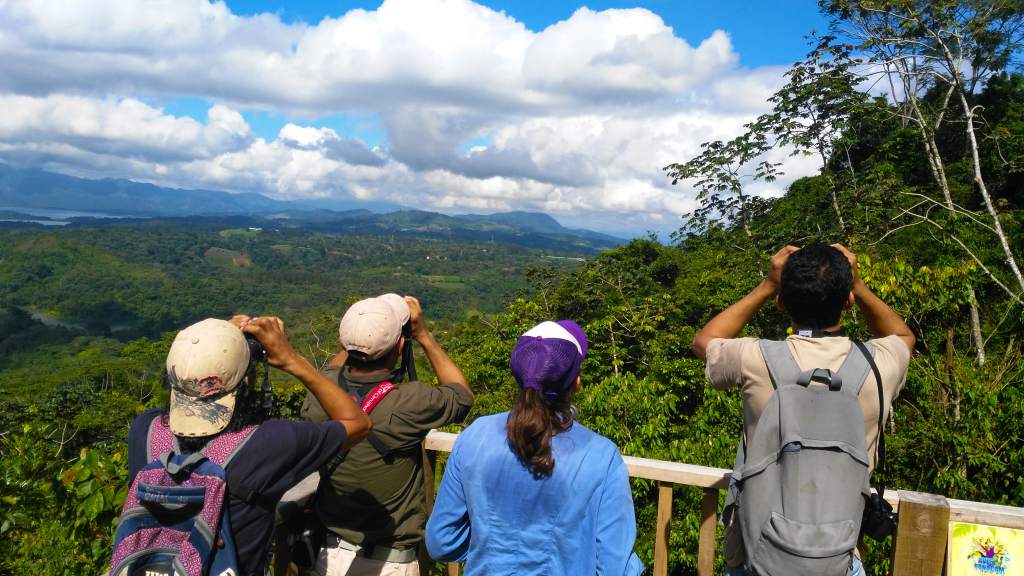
(446,370)
(338,405)
(729,322)
(881,319)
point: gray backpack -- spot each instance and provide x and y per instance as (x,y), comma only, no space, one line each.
(798,488)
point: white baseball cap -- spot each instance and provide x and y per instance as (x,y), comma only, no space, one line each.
(373,326)
(205,365)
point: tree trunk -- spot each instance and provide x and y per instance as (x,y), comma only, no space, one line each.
(980,181)
(979,342)
(935,162)
(615,355)
(931,148)
(950,376)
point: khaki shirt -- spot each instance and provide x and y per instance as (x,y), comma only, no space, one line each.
(372,502)
(738,362)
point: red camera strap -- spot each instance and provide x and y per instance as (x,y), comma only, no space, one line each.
(371,400)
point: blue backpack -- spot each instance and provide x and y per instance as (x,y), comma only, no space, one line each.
(175,518)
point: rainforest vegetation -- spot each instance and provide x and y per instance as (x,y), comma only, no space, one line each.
(916,114)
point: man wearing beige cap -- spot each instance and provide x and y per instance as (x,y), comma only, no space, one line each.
(211,376)
(373,506)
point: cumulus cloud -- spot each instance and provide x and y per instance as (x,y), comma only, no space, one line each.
(576,119)
(119,126)
(332,145)
(442,52)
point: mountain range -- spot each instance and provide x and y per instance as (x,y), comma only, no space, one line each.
(38,189)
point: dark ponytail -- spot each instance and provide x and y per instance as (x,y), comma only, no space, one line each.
(534,419)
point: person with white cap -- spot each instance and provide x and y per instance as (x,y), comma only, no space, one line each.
(531,491)
(211,377)
(373,505)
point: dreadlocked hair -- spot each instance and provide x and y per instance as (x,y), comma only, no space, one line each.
(533,420)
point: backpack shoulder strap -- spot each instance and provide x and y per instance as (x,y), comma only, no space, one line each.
(868,353)
(159,439)
(370,401)
(855,368)
(367,403)
(781,366)
(225,446)
(221,450)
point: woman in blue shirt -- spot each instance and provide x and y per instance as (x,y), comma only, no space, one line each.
(531,491)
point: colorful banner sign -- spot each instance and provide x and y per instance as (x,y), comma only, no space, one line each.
(979,550)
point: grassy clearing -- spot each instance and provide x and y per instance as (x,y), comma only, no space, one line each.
(238,233)
(227,258)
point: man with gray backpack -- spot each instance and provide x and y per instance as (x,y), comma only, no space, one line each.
(814,410)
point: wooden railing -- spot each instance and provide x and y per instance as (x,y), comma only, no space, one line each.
(920,545)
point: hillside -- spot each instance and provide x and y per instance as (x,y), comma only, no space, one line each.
(22,190)
(138,279)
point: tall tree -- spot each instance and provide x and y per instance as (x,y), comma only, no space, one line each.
(720,173)
(813,110)
(948,48)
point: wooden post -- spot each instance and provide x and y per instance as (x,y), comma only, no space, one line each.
(708,525)
(429,475)
(429,460)
(662,529)
(920,548)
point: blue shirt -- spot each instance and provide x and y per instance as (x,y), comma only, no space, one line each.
(495,516)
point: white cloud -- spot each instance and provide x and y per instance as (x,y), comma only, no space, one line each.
(123,127)
(578,119)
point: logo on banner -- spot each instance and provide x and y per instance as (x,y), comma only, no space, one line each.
(989,556)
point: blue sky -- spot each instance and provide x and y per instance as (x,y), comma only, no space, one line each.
(456,106)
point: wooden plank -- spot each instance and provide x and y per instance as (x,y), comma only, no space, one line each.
(982,513)
(920,539)
(677,472)
(659,470)
(440,441)
(708,525)
(893,498)
(920,548)
(664,522)
(429,475)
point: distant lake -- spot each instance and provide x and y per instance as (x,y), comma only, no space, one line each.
(56,217)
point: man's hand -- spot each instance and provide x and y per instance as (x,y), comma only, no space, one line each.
(446,370)
(269,330)
(852,259)
(418,324)
(881,319)
(778,263)
(240,320)
(338,406)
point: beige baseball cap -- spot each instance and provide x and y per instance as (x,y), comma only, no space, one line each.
(373,326)
(205,365)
